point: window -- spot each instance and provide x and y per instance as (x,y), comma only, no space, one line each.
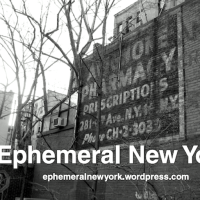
(119,28)
(128,24)
(161,6)
(46,123)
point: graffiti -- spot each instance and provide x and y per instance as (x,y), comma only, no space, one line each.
(192,63)
(148,193)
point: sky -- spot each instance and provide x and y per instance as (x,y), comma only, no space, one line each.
(57,76)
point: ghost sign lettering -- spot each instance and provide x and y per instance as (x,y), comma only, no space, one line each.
(142,89)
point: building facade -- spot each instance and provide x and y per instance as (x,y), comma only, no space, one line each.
(57,137)
(53,98)
(149,97)
(142,86)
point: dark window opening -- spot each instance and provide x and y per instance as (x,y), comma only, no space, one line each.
(128,24)
(138,18)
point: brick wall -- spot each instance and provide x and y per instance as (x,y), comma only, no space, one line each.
(191,30)
(61,189)
(183,32)
(144,96)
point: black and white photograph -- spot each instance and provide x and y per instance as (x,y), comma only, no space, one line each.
(99,99)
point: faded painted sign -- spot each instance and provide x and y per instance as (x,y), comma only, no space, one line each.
(144,98)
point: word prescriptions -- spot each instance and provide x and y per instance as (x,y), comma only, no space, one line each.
(86,156)
(142,98)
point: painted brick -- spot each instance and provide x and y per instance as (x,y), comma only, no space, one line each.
(188,25)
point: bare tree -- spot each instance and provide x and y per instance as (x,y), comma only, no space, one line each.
(80,27)
(23,46)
